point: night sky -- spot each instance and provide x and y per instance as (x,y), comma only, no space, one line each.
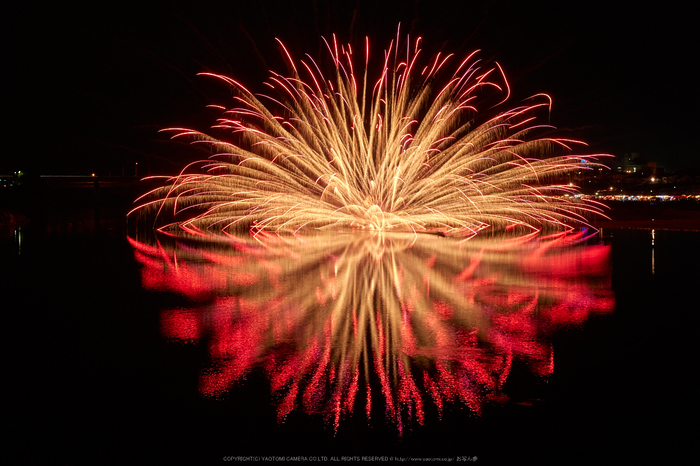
(88,87)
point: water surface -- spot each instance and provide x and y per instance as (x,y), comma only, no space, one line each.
(135,350)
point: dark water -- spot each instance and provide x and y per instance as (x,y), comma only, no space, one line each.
(94,378)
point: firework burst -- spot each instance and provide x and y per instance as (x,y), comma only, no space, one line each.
(406,151)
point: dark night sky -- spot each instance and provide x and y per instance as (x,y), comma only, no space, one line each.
(88,87)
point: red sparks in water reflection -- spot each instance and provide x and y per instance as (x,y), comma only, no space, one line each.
(348,323)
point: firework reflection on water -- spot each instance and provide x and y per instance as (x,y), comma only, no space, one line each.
(356,323)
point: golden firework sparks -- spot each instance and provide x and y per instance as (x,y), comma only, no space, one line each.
(409,151)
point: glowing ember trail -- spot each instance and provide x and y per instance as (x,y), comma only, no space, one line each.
(409,151)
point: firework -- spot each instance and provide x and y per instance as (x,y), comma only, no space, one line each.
(408,150)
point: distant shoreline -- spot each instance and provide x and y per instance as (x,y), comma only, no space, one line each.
(668,215)
(19,206)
